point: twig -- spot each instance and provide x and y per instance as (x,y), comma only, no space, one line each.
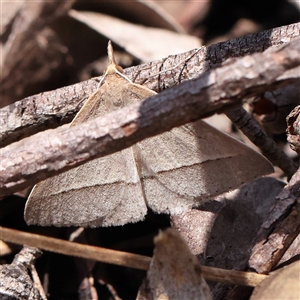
(257,136)
(37,282)
(54,108)
(214,91)
(119,258)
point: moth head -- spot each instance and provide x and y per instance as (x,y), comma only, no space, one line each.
(113,69)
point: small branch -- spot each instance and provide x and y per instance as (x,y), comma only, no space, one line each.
(119,258)
(258,137)
(279,230)
(214,91)
(37,282)
(54,108)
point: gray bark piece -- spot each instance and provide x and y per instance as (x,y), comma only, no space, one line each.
(279,230)
(15,281)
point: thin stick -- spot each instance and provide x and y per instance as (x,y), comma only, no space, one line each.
(37,282)
(259,137)
(119,258)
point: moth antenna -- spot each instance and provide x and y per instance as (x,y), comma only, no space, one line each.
(110,53)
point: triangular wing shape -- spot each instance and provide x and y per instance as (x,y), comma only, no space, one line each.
(191,163)
(102,192)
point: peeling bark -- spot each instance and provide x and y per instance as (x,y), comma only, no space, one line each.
(279,230)
(293,129)
(15,279)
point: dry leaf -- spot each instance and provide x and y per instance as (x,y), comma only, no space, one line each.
(9,10)
(174,272)
(282,284)
(222,232)
(135,38)
(168,173)
(148,13)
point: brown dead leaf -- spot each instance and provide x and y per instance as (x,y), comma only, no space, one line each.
(148,13)
(145,43)
(282,284)
(9,10)
(221,233)
(174,272)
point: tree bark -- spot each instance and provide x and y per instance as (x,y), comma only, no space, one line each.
(212,92)
(54,108)
(279,230)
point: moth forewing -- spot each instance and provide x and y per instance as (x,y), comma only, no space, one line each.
(86,195)
(105,191)
(169,173)
(193,163)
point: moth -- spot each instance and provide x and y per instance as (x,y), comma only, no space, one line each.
(168,173)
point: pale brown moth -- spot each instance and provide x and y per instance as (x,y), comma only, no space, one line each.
(168,173)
